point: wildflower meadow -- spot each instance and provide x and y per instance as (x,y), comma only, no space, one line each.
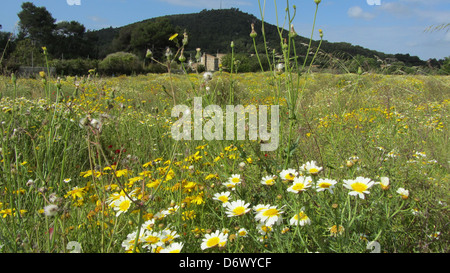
(90,164)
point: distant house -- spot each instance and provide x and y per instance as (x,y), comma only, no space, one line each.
(211,62)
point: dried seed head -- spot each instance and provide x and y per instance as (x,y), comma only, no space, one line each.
(292,32)
(51,210)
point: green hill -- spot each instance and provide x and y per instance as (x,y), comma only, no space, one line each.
(213,30)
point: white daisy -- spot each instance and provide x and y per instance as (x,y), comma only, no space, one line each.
(237,208)
(214,239)
(325,184)
(268,180)
(270,215)
(152,239)
(384,182)
(223,197)
(172,248)
(230,185)
(288,175)
(403,193)
(300,184)
(242,232)
(122,205)
(311,168)
(359,186)
(264,229)
(260,207)
(235,178)
(300,219)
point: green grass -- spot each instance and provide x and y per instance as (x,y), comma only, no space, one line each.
(352,125)
(89,164)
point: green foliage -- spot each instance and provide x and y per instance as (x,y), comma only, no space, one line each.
(69,41)
(445,68)
(27,53)
(152,34)
(244,63)
(36,23)
(120,63)
(365,63)
(74,67)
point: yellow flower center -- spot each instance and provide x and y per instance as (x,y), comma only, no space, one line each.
(152,239)
(298,187)
(124,205)
(223,198)
(325,185)
(213,242)
(235,180)
(313,171)
(269,181)
(290,176)
(239,210)
(266,228)
(301,216)
(270,212)
(359,187)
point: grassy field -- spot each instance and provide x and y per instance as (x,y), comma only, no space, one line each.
(89,164)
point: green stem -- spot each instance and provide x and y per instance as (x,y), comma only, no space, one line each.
(257,55)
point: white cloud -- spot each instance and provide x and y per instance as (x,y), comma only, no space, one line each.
(396,8)
(97,19)
(419,9)
(427,2)
(357,12)
(435,16)
(447,37)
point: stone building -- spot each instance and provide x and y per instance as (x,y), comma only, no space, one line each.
(211,62)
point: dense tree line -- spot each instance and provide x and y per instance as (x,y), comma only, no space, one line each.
(73,49)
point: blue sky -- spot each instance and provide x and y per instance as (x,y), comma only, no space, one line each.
(393,26)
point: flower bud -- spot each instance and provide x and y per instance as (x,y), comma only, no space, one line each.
(285,45)
(317,1)
(13,78)
(185,38)
(232,44)
(182,58)
(148,54)
(58,83)
(292,32)
(253,34)
(198,55)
